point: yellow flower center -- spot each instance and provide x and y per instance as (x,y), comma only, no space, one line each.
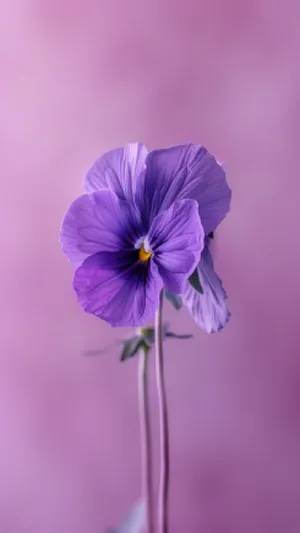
(143,255)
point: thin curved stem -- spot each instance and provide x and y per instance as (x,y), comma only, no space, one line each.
(146,440)
(163,526)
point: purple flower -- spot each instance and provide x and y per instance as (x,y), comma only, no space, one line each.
(141,227)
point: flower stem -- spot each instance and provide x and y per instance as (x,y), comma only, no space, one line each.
(163,422)
(146,440)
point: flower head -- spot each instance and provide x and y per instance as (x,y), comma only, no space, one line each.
(140,227)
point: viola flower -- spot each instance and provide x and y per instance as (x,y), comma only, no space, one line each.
(124,249)
(140,227)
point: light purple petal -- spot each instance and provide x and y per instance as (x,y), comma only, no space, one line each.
(118,171)
(109,288)
(209,309)
(176,237)
(98,222)
(186,171)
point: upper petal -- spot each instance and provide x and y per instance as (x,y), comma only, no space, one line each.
(121,296)
(209,309)
(117,170)
(185,171)
(176,238)
(98,222)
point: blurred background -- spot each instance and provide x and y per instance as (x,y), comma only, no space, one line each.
(79,78)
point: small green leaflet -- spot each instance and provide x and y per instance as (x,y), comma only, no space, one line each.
(131,347)
(145,340)
(195,281)
(175,336)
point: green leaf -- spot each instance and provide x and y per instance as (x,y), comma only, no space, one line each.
(174,299)
(175,336)
(195,281)
(131,347)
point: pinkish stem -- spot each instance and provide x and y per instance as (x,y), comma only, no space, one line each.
(146,440)
(163,526)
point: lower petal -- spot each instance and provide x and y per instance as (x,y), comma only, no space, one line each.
(126,297)
(209,310)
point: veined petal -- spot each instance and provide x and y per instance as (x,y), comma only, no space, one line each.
(209,310)
(98,222)
(118,171)
(122,295)
(185,171)
(176,238)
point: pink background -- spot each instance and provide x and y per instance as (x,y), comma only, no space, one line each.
(78,78)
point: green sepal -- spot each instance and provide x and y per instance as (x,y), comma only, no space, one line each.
(195,281)
(132,346)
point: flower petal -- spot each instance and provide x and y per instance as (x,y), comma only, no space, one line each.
(185,171)
(209,309)
(118,171)
(98,222)
(176,237)
(121,295)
